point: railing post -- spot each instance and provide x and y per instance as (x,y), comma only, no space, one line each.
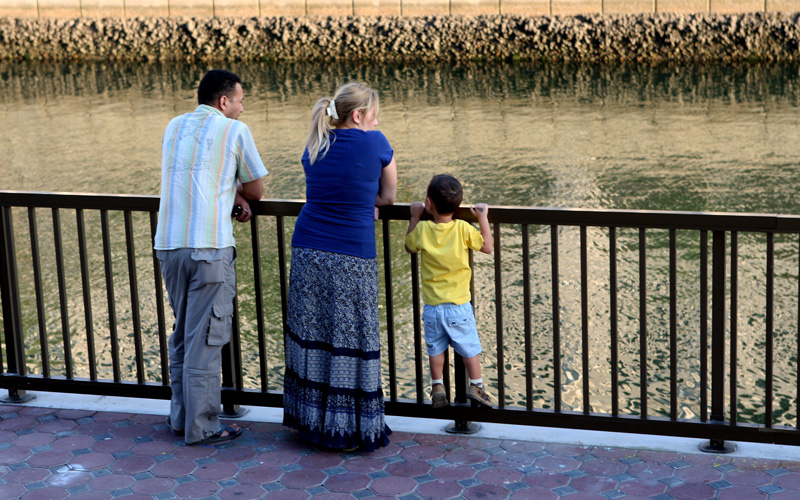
(12,313)
(718,342)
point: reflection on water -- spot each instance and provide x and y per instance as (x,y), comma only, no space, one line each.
(711,138)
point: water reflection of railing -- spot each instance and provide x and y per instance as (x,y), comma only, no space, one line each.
(658,408)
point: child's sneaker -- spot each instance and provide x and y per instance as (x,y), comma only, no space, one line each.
(438,396)
(478,394)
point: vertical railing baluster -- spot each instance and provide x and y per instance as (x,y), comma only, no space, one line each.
(585,320)
(133,283)
(526,311)
(703,325)
(44,345)
(390,334)
(259,305)
(112,313)
(417,326)
(612,304)
(62,294)
(769,334)
(734,312)
(87,294)
(498,299)
(673,327)
(643,321)
(282,270)
(163,343)
(556,319)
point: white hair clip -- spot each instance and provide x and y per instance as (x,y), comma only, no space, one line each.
(332,110)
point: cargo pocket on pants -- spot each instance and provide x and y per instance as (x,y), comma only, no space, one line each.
(219,326)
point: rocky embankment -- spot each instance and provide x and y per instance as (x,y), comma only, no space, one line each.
(643,37)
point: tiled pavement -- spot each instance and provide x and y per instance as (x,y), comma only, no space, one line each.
(48,453)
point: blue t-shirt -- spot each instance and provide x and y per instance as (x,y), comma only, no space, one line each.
(340,194)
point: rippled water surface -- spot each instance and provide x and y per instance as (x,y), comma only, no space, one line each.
(710,138)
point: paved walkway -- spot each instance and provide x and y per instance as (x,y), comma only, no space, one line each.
(50,453)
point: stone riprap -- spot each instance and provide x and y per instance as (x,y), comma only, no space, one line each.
(641,37)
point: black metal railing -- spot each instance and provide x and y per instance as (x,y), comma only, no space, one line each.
(587,307)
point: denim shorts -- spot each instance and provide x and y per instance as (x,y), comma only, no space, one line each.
(449,324)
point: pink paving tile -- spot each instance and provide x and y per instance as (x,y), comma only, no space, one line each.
(58,425)
(393,485)
(399,437)
(433,439)
(29,440)
(535,493)
(74,414)
(511,460)
(235,454)
(265,427)
(193,452)
(347,482)
(72,443)
(751,494)
(18,424)
(241,492)
(33,411)
(303,478)
(521,446)
(583,495)
(145,419)
(321,461)
(46,458)
(439,489)
(487,491)
(691,491)
(605,452)
(646,470)
(153,486)
(557,464)
(111,482)
(364,464)
(789,481)
(216,471)
(593,484)
(133,431)
(707,459)
(605,467)
(68,478)
(111,416)
(422,453)
(27,475)
(173,468)
(783,495)
(499,476)
(754,463)
(662,457)
(277,458)
(642,487)
(699,474)
(791,466)
(453,472)
(131,465)
(567,449)
(259,475)
(113,445)
(134,497)
(91,495)
(479,443)
(8,436)
(153,448)
(288,495)
(15,455)
(46,494)
(408,469)
(95,429)
(333,496)
(466,456)
(748,478)
(390,450)
(197,489)
(546,480)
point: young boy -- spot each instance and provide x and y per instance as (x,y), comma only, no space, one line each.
(448,317)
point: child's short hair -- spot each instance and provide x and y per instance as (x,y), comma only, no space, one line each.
(445,192)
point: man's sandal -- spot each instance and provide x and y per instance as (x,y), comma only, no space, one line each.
(173,430)
(218,437)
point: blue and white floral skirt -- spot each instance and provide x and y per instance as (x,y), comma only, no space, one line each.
(332,387)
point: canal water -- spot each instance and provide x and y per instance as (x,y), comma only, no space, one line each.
(696,138)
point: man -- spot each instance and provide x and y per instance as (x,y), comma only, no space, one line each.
(204,154)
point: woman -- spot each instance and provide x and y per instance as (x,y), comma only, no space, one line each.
(332,387)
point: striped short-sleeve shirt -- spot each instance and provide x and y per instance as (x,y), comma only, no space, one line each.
(204,153)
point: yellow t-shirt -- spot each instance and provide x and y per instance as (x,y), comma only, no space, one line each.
(445,259)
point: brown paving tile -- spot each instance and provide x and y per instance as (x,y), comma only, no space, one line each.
(570,450)
(173,468)
(546,479)
(303,478)
(30,440)
(347,482)
(439,489)
(91,495)
(44,459)
(145,419)
(642,487)
(130,465)
(321,461)
(153,486)
(433,439)
(750,494)
(364,464)
(791,466)
(113,445)
(466,456)
(7,436)
(16,455)
(583,495)
(558,464)
(754,463)
(56,425)
(72,443)
(111,482)
(152,448)
(408,468)
(241,492)
(486,491)
(27,475)
(235,454)
(277,458)
(33,411)
(393,486)
(691,491)
(95,429)
(422,453)
(399,437)
(593,484)
(389,450)
(521,446)
(789,481)
(537,493)
(288,495)
(259,475)
(480,443)
(264,427)
(74,414)
(193,452)
(67,478)
(453,472)
(699,474)
(18,424)
(511,460)
(661,457)
(748,478)
(646,470)
(611,453)
(783,495)
(708,459)
(111,416)
(500,476)
(46,494)
(197,489)
(216,471)
(604,467)
(133,431)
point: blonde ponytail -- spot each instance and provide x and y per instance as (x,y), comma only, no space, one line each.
(348,98)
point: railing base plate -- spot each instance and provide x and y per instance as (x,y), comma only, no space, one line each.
(11,399)
(717,446)
(238,412)
(459,427)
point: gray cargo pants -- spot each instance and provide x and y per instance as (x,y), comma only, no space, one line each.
(201,285)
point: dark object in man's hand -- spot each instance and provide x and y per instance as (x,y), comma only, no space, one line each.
(237,211)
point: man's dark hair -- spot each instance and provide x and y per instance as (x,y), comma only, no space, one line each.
(445,192)
(215,84)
